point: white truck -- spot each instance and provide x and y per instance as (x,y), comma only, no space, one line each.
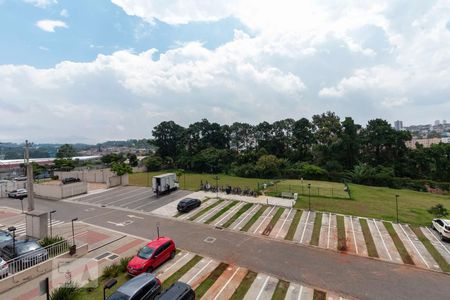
(164,183)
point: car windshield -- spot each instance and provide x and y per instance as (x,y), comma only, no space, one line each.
(146,252)
(447,227)
(118,296)
(4,236)
(27,247)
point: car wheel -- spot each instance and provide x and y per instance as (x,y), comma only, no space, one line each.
(149,270)
(172,255)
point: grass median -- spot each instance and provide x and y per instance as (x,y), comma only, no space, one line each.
(406,258)
(342,239)
(244,286)
(280,290)
(242,210)
(206,209)
(209,281)
(433,251)
(291,232)
(273,221)
(254,218)
(370,244)
(316,230)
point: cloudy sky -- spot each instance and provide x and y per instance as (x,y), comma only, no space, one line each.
(89,71)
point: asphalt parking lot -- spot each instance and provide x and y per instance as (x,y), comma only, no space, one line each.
(130,197)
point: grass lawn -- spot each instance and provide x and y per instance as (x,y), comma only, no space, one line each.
(436,255)
(275,218)
(316,230)
(371,249)
(281,290)
(244,286)
(97,293)
(183,270)
(379,203)
(191,181)
(342,239)
(254,218)
(221,212)
(318,188)
(203,211)
(290,235)
(209,281)
(398,244)
(242,210)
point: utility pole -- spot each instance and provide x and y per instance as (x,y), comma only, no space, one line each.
(29,166)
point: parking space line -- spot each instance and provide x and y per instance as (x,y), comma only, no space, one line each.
(264,219)
(101,196)
(354,236)
(414,246)
(226,284)
(382,239)
(212,212)
(129,197)
(230,213)
(201,270)
(284,222)
(300,292)
(329,230)
(245,217)
(262,288)
(304,228)
(145,204)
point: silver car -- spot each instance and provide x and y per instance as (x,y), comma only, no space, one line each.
(3,268)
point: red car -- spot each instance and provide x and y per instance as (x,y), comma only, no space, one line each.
(152,255)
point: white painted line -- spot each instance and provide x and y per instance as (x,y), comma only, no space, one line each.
(265,217)
(106,193)
(304,227)
(300,293)
(129,197)
(145,204)
(354,236)
(385,247)
(212,211)
(282,225)
(229,280)
(245,217)
(417,250)
(229,213)
(176,262)
(262,288)
(443,246)
(329,230)
(201,270)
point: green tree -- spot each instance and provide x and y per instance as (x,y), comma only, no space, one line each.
(349,143)
(121,168)
(65,164)
(66,151)
(302,140)
(269,166)
(132,159)
(168,137)
(153,163)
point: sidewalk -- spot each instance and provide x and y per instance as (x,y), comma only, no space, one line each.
(258,200)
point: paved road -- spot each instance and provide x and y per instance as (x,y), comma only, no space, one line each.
(350,275)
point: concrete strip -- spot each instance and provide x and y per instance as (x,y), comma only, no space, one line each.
(227,215)
(167,269)
(301,227)
(325,230)
(212,212)
(359,237)
(425,257)
(243,219)
(352,246)
(262,288)
(332,242)
(226,284)
(308,230)
(195,276)
(389,242)
(263,221)
(281,228)
(195,211)
(378,240)
(437,243)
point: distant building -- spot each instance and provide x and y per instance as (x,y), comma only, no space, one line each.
(426,143)
(437,123)
(444,122)
(398,125)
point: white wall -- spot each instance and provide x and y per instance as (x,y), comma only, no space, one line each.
(57,192)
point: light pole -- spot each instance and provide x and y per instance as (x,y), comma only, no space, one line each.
(13,230)
(157,229)
(396,205)
(51,231)
(309,197)
(73,231)
(109,284)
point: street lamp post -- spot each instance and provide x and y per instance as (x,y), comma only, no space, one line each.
(51,231)
(13,230)
(396,205)
(309,197)
(73,231)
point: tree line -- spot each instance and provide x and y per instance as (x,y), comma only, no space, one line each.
(324,147)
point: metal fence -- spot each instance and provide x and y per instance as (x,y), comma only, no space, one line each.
(28,260)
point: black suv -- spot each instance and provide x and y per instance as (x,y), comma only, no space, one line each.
(188,204)
(178,291)
(70,180)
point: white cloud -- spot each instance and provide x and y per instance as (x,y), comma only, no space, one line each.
(41,3)
(64,13)
(50,25)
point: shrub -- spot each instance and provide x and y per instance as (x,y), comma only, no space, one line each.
(67,291)
(111,271)
(124,263)
(47,241)
(438,210)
